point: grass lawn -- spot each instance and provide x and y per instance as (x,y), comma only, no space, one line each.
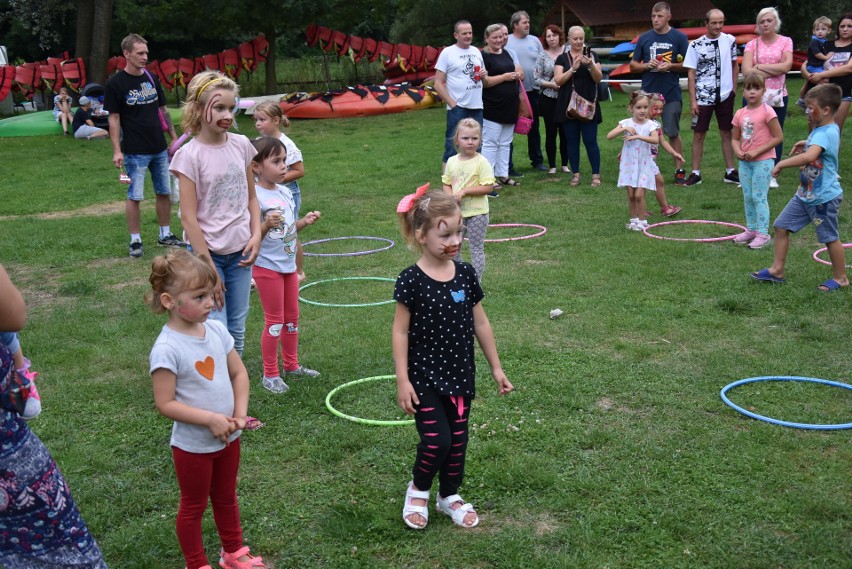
(615,450)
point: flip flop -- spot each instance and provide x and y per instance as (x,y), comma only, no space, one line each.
(767,277)
(830,286)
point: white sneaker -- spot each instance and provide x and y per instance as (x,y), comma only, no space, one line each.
(275,384)
(773,182)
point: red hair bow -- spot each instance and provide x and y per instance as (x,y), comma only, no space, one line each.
(406,203)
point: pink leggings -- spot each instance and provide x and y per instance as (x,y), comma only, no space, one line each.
(279,296)
(202,477)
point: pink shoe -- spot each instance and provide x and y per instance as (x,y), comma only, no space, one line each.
(745,237)
(759,241)
(232,560)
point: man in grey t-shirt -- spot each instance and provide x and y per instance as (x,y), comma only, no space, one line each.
(527,48)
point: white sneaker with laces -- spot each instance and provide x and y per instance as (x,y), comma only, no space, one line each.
(773,182)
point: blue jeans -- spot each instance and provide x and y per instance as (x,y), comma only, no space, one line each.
(237,282)
(454,115)
(571,132)
(158,164)
(297,196)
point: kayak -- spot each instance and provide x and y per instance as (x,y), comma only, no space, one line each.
(359,101)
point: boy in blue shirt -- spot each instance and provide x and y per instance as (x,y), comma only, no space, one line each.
(819,194)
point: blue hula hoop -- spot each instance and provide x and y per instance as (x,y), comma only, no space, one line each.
(791,424)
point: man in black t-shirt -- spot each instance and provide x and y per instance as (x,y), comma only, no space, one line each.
(137,104)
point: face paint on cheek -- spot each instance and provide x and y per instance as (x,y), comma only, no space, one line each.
(208,110)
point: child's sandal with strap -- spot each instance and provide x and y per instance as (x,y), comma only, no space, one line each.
(409,508)
(232,560)
(457,514)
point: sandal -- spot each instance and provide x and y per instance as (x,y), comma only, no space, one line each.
(670,210)
(596,180)
(575,180)
(410,509)
(458,514)
(232,560)
(506,181)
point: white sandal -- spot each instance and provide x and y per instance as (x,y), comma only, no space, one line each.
(446,505)
(409,508)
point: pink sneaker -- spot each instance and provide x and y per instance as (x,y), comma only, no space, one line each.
(745,237)
(232,560)
(759,241)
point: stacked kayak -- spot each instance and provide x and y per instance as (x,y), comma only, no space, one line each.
(359,101)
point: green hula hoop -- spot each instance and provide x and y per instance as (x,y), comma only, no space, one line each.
(315,303)
(359,419)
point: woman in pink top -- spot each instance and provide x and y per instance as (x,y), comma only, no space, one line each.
(771,55)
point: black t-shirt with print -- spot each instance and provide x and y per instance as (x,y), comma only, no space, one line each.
(441,334)
(136,99)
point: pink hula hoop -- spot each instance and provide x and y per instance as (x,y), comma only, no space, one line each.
(824,249)
(704,221)
(539,234)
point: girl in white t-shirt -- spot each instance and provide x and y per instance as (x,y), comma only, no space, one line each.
(269,119)
(200,383)
(219,210)
(275,270)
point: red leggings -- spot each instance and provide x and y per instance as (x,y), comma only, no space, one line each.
(279,296)
(201,477)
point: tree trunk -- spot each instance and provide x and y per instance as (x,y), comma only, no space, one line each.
(85,20)
(101,31)
(271,79)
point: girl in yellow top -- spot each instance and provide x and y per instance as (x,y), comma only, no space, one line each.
(469,178)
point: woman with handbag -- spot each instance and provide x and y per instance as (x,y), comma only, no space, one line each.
(554,45)
(578,72)
(771,55)
(500,103)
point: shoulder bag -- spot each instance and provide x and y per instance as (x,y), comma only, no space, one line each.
(579,107)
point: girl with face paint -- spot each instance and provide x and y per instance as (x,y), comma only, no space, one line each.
(219,209)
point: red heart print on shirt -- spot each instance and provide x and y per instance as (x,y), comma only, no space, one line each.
(206,367)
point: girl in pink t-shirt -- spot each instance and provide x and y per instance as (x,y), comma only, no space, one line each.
(756,132)
(219,209)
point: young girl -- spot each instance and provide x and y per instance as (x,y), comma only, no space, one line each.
(219,210)
(201,383)
(637,168)
(756,133)
(469,178)
(657,104)
(438,312)
(62,110)
(275,270)
(268,120)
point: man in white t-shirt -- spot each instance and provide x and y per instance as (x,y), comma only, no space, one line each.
(527,49)
(458,80)
(711,64)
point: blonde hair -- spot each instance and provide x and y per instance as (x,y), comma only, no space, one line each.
(822,21)
(175,272)
(423,213)
(272,110)
(765,11)
(465,123)
(198,92)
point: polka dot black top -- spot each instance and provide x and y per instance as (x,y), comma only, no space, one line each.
(440,335)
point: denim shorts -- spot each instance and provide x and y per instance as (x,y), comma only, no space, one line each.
(137,164)
(797,214)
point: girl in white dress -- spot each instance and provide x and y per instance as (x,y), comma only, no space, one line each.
(636,170)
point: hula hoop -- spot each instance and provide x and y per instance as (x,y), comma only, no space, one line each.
(818,252)
(353,254)
(315,303)
(703,221)
(359,419)
(812,426)
(539,234)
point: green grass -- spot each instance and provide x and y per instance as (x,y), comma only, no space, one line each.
(615,450)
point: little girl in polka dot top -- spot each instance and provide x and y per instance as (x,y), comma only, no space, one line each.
(438,313)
